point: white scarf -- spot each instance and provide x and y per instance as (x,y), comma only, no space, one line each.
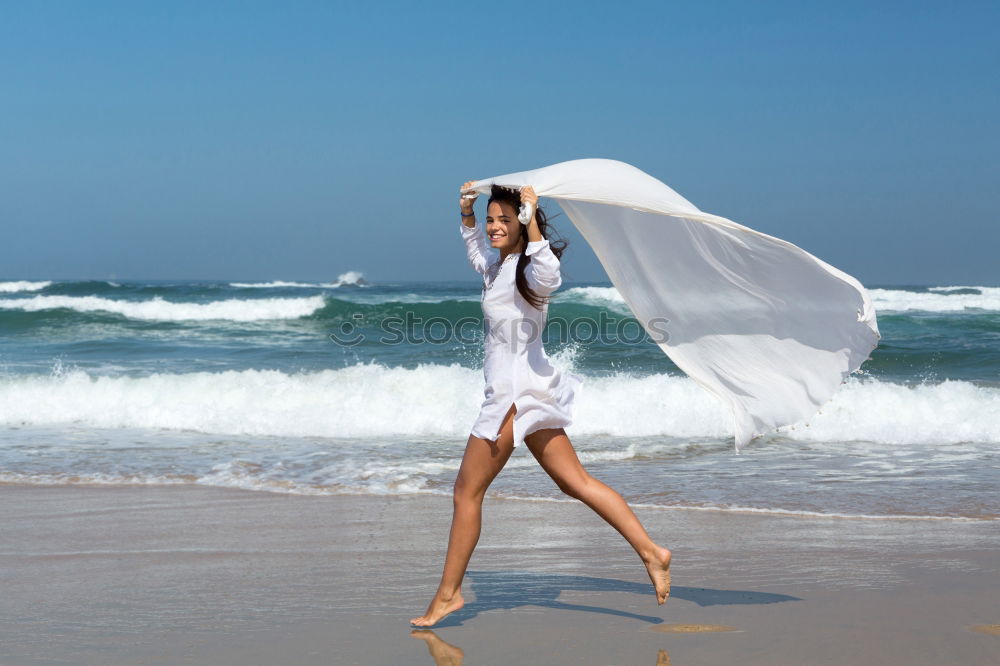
(762,324)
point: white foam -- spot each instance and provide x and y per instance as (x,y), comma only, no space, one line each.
(350,277)
(949,412)
(357,401)
(428,401)
(23,285)
(156,308)
(606,297)
(938,299)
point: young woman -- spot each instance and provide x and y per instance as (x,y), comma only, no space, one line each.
(527,399)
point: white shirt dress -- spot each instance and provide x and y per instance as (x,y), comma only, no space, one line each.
(516,367)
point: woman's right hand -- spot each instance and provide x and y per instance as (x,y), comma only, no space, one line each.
(466,204)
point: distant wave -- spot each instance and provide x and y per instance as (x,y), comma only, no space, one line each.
(945,299)
(353,278)
(605,297)
(279,283)
(935,299)
(23,285)
(156,308)
(373,400)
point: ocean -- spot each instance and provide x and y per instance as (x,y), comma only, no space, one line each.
(365,388)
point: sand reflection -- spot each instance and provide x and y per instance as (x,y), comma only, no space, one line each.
(442,652)
(445,654)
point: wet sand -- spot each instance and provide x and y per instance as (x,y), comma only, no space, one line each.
(200,575)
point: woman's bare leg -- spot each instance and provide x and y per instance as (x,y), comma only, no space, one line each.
(554,452)
(482,462)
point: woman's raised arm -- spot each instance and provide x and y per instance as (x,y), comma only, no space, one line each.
(542,272)
(475,241)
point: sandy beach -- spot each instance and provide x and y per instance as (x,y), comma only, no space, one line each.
(201,575)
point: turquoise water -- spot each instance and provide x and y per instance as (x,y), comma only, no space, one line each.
(371,388)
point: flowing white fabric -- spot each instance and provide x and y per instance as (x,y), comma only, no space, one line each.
(762,324)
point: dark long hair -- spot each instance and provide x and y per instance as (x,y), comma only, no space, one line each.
(513,197)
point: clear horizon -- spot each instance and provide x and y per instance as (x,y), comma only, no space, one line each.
(470,281)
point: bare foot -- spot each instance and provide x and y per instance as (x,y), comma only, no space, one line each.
(658,568)
(438,609)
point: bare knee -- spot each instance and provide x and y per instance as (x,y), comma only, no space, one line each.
(575,487)
(464,493)
(570,490)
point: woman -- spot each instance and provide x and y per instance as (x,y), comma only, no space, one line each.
(526,397)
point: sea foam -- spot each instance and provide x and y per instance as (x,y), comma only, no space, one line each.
(156,308)
(370,400)
(23,285)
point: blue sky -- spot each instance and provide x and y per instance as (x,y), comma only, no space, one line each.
(299,140)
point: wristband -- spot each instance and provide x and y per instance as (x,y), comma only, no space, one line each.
(472,214)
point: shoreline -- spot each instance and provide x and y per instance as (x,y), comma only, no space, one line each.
(200,574)
(189,482)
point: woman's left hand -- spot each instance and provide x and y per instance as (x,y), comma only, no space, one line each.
(528,196)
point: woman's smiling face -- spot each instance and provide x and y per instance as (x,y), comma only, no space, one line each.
(502,227)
